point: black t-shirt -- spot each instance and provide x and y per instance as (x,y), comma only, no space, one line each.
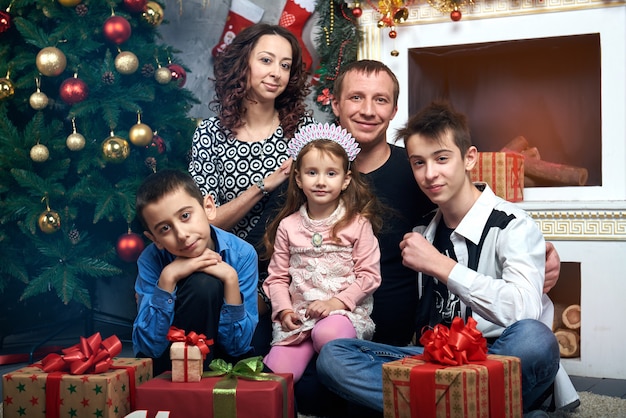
(395,301)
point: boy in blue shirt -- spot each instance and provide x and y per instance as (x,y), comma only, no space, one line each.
(193,275)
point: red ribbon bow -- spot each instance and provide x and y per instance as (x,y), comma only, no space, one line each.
(91,355)
(461,344)
(199,340)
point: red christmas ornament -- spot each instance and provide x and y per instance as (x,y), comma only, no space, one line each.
(129,247)
(5,21)
(179,75)
(135,6)
(73,90)
(455,15)
(357,12)
(116,29)
(393,34)
(159,143)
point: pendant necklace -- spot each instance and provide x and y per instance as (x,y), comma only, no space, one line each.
(317,239)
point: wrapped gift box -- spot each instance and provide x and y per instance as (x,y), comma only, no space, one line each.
(187,362)
(413,387)
(107,395)
(503,172)
(249,398)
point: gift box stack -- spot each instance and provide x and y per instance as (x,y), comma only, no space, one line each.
(503,172)
(226,391)
(237,391)
(446,382)
(87,380)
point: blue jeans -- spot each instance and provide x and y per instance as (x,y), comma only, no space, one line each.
(352,368)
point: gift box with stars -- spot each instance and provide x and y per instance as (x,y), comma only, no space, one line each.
(31,392)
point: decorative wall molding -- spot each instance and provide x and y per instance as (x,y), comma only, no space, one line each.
(581,225)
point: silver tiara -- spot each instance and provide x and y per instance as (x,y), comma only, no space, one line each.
(315,132)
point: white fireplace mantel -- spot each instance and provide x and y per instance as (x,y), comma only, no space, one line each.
(587,224)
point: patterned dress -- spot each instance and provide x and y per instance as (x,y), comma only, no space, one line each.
(225,167)
(304,269)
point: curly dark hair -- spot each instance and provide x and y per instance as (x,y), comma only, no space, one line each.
(231,72)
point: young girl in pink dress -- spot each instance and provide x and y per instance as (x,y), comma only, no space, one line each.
(325,259)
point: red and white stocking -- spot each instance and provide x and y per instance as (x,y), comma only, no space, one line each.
(242,13)
(294,16)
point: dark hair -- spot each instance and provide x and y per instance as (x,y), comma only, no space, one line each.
(231,70)
(161,183)
(434,121)
(357,198)
(366,67)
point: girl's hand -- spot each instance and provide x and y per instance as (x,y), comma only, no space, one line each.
(322,308)
(290,321)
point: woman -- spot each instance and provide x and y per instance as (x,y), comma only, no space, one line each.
(239,156)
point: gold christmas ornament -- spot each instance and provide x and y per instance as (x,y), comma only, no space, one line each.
(395,53)
(163,75)
(7,89)
(75,141)
(38,100)
(49,222)
(115,149)
(140,134)
(51,61)
(153,13)
(39,153)
(401,15)
(126,62)
(69,3)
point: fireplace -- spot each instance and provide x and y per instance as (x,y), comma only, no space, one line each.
(554,73)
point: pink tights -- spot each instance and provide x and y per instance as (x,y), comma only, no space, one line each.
(294,358)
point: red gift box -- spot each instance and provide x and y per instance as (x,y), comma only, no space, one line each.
(262,395)
(503,172)
(453,378)
(492,388)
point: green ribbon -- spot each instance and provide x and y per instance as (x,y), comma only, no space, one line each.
(225,390)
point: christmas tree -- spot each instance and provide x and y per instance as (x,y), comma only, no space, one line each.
(91,102)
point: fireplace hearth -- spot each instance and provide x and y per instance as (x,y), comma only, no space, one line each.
(553,72)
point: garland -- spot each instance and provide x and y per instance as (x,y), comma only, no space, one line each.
(337,44)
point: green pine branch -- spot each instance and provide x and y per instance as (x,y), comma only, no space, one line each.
(93,197)
(336,43)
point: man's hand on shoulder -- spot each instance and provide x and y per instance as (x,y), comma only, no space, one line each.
(553,267)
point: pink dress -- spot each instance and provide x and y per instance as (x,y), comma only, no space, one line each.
(304,269)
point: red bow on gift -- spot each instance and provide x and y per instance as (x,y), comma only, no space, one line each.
(91,355)
(199,340)
(458,345)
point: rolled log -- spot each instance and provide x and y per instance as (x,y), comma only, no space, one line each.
(571,317)
(531,152)
(557,323)
(517,144)
(569,342)
(554,173)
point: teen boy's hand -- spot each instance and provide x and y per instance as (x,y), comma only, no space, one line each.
(420,255)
